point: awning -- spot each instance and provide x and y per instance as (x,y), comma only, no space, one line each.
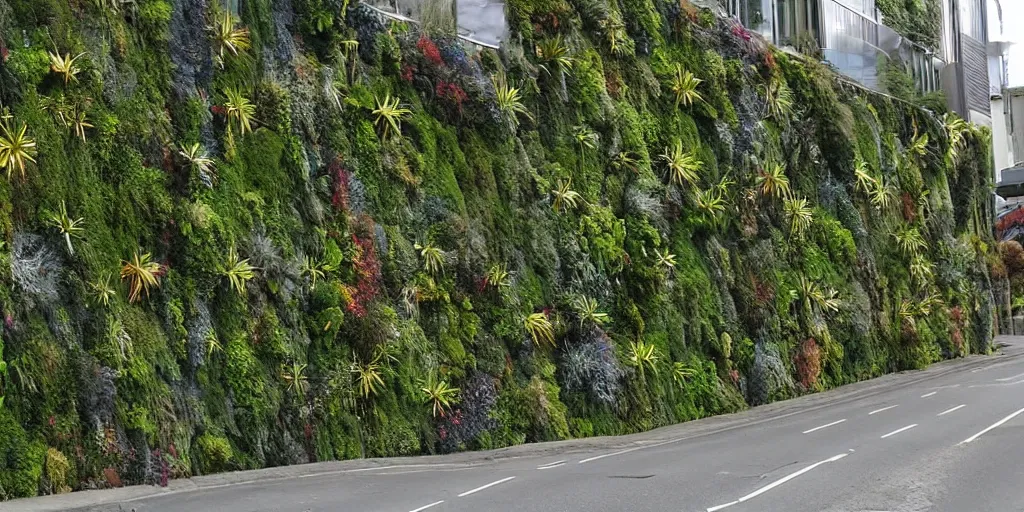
(1011,182)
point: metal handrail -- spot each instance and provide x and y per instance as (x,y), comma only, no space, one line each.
(407,19)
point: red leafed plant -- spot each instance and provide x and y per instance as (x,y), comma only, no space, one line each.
(429,50)
(808,362)
(451,92)
(367,269)
(956,314)
(340,174)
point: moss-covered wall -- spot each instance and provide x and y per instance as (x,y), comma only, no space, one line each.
(504,264)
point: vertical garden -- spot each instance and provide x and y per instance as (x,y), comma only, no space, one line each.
(238,236)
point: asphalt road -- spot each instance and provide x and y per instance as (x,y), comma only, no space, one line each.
(947,440)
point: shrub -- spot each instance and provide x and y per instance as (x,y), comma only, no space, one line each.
(215,453)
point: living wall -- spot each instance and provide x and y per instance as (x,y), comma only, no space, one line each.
(920,20)
(305,232)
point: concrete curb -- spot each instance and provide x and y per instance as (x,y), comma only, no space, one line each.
(122,499)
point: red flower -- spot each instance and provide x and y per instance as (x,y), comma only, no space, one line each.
(429,50)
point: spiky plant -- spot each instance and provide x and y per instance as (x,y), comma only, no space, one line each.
(918,145)
(197,157)
(433,257)
(626,160)
(778,99)
(368,377)
(554,56)
(812,295)
(78,123)
(540,328)
(799,214)
(16,148)
(510,101)
(584,137)
(586,308)
(65,65)
(665,259)
(682,166)
(240,110)
(956,129)
(681,373)
(389,116)
(294,376)
(710,202)
(772,182)
(237,270)
(67,226)
(882,195)
(643,357)
(565,196)
(142,274)
(909,240)
(498,276)
(684,87)
(312,270)
(865,181)
(439,395)
(229,39)
(921,270)
(102,290)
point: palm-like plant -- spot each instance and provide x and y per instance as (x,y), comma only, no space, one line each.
(909,240)
(626,160)
(313,271)
(682,166)
(812,295)
(921,270)
(142,274)
(681,373)
(103,290)
(586,308)
(79,122)
(295,378)
(433,257)
(197,157)
(778,99)
(498,276)
(554,55)
(368,377)
(684,86)
(565,196)
(865,181)
(240,110)
(772,182)
(15,148)
(918,145)
(540,328)
(237,270)
(907,314)
(228,38)
(956,129)
(799,214)
(510,101)
(665,259)
(440,395)
(67,226)
(584,137)
(389,116)
(710,202)
(65,65)
(882,195)
(644,357)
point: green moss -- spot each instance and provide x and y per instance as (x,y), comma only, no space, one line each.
(21,459)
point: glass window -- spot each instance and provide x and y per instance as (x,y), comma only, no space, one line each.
(971,21)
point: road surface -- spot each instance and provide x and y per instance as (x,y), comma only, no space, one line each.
(950,439)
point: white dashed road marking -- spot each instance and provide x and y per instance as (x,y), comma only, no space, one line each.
(882,409)
(894,432)
(427,506)
(777,483)
(551,465)
(943,413)
(824,426)
(996,424)
(926,395)
(482,487)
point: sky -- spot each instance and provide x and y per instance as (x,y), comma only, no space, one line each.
(1013,19)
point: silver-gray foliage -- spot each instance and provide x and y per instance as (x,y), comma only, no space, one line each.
(592,368)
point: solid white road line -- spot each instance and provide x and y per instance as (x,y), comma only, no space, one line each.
(777,483)
(996,424)
(824,426)
(943,413)
(482,487)
(894,432)
(1015,377)
(883,409)
(427,506)
(926,395)
(612,454)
